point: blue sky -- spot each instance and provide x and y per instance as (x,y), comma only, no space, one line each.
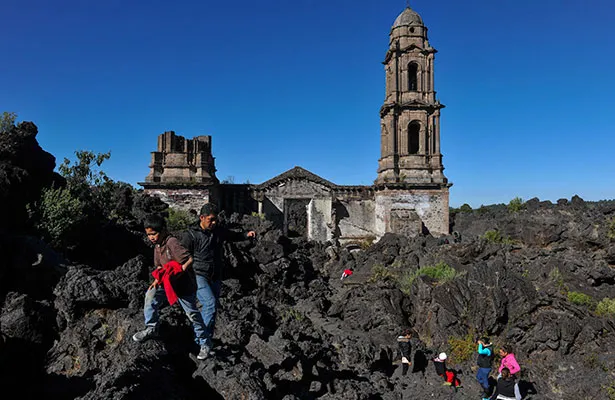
(528,87)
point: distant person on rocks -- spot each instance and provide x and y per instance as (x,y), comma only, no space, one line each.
(440,365)
(507,388)
(405,348)
(484,361)
(456,237)
(204,241)
(508,361)
(449,376)
(169,253)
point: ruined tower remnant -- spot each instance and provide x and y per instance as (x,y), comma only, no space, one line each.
(182,171)
(410,181)
(180,160)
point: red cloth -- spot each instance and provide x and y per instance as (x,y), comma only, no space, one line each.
(451,378)
(164,275)
(348,272)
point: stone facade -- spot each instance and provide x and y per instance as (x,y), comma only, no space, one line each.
(410,194)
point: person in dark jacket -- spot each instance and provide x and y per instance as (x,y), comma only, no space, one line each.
(484,361)
(205,242)
(507,388)
(166,250)
(405,348)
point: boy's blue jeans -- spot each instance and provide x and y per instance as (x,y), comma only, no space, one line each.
(208,292)
(482,376)
(155,299)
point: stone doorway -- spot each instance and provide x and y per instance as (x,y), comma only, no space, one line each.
(296,217)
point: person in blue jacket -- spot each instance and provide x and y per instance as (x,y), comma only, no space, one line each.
(484,361)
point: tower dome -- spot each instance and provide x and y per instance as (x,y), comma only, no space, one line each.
(407,17)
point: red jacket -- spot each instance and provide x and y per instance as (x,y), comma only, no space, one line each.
(164,274)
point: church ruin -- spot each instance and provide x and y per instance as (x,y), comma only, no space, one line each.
(410,194)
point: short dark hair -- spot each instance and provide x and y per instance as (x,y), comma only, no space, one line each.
(155,222)
(507,348)
(505,373)
(208,209)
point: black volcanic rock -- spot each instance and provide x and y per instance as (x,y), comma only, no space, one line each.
(25,169)
(289,328)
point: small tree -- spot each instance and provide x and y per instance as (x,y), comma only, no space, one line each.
(84,172)
(179,219)
(465,208)
(59,216)
(516,205)
(7,121)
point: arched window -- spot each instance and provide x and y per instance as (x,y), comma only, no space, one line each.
(414,129)
(413,70)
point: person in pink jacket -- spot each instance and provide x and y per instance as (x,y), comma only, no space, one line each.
(508,361)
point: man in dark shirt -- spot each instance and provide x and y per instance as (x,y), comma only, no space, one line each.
(204,241)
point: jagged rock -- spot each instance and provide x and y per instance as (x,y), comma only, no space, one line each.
(289,328)
(25,169)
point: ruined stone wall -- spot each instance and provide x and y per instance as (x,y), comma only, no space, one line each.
(355,219)
(395,210)
(182,198)
(319,220)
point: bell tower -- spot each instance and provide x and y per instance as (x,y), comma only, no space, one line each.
(410,115)
(411,191)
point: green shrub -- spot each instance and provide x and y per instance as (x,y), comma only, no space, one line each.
(462,349)
(441,273)
(405,282)
(606,307)
(610,390)
(465,208)
(494,236)
(558,279)
(580,299)
(611,229)
(59,214)
(381,273)
(261,216)
(292,314)
(179,219)
(516,205)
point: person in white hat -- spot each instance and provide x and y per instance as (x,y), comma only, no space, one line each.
(440,364)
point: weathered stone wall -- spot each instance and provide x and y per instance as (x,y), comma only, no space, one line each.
(355,219)
(395,206)
(319,220)
(182,198)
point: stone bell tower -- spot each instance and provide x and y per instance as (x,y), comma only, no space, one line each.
(410,115)
(411,184)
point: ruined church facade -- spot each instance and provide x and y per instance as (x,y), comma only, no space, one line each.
(410,194)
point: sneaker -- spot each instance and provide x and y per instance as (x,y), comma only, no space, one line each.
(204,352)
(447,384)
(145,334)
